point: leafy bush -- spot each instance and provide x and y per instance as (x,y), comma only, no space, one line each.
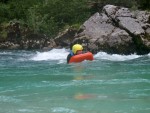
(51,16)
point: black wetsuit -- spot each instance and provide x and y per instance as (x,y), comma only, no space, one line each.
(70,55)
(68,58)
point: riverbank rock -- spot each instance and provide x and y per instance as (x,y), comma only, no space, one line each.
(116,30)
(9,45)
(65,38)
(21,37)
(100,34)
(37,41)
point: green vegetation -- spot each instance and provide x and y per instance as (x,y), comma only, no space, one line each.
(51,16)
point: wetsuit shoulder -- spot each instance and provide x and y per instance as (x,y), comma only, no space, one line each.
(68,58)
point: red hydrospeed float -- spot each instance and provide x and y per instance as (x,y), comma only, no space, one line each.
(81,57)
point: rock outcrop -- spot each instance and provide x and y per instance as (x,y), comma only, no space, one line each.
(115,30)
(21,37)
(65,38)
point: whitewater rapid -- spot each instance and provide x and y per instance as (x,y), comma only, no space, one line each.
(42,82)
(61,54)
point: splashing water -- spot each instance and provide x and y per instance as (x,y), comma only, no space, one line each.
(55,54)
(61,54)
(115,57)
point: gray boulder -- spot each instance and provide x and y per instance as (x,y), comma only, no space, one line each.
(100,34)
(142,16)
(99,25)
(124,19)
(116,30)
(130,25)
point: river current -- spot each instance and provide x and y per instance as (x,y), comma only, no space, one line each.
(42,82)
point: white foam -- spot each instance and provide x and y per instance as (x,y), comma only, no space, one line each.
(149,55)
(62,110)
(5,53)
(54,54)
(26,110)
(115,57)
(61,55)
(9,99)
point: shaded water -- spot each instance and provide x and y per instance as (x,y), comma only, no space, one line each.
(42,82)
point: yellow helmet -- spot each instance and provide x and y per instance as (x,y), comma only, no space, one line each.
(76,48)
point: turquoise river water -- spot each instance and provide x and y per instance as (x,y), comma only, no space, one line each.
(42,82)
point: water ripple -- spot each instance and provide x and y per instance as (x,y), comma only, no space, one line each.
(4,98)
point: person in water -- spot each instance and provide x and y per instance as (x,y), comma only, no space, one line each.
(76,49)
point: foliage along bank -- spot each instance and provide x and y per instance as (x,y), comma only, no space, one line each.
(29,24)
(51,16)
